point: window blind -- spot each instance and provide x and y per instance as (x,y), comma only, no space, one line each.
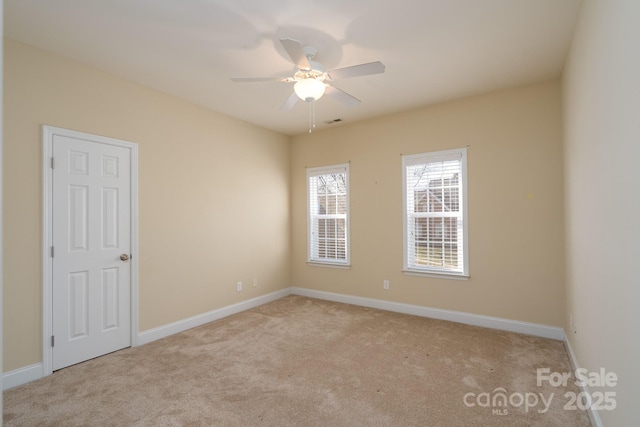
(434,221)
(328,208)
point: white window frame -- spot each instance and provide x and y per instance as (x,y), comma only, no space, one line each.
(312,250)
(410,267)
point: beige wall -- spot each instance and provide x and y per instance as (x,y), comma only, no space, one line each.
(602,150)
(516,227)
(214,194)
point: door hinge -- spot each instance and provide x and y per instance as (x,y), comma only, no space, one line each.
(53,163)
(52,252)
(53,341)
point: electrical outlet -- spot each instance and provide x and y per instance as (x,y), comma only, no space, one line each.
(572,325)
(255,282)
(385,284)
(239,286)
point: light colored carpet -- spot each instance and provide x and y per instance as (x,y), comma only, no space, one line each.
(305,362)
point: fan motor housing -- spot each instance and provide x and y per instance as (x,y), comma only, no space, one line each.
(317,72)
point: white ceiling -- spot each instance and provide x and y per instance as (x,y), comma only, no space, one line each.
(434,50)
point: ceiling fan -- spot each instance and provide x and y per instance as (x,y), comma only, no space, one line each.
(311,79)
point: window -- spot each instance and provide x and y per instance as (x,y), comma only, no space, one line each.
(435,222)
(328,221)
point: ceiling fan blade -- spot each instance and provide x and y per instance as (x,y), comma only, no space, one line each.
(357,70)
(296,52)
(341,96)
(262,79)
(290,102)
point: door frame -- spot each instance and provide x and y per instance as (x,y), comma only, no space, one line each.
(48,132)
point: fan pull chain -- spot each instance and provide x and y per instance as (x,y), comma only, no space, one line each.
(312,116)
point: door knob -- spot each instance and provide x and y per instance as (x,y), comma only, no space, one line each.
(124,257)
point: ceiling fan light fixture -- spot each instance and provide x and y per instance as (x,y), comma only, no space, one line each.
(309,89)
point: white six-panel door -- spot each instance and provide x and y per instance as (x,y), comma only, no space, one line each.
(91,236)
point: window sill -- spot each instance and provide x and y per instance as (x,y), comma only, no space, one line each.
(451,276)
(329,264)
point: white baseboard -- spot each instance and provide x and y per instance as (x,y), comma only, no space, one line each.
(22,376)
(594,416)
(33,372)
(436,313)
(191,322)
